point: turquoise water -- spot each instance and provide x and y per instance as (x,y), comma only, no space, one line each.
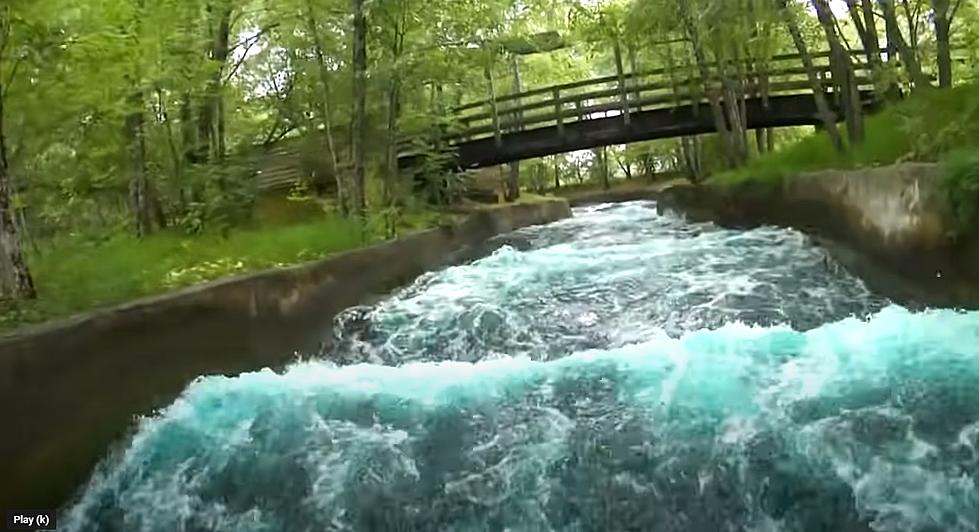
(620,371)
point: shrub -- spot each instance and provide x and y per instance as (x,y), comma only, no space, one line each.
(960,184)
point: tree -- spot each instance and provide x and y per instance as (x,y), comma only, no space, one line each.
(865,23)
(358,127)
(943,13)
(826,114)
(135,133)
(896,42)
(16,281)
(325,103)
(844,77)
(733,150)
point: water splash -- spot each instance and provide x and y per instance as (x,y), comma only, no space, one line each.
(610,276)
(722,422)
(857,425)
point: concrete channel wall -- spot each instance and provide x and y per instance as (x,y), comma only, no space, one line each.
(70,389)
(889,225)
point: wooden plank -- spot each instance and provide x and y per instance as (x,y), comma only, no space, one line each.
(616,91)
(670,99)
(541,91)
(648,103)
(605,93)
(614,78)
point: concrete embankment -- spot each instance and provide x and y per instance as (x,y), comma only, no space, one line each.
(69,390)
(623,190)
(889,225)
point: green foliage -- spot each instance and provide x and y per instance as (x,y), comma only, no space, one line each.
(923,127)
(960,183)
(76,73)
(78,274)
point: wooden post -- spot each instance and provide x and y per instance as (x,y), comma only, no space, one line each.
(623,90)
(494,109)
(558,109)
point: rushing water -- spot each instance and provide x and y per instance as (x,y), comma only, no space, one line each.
(621,370)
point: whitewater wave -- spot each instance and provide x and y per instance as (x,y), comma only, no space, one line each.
(855,425)
(611,276)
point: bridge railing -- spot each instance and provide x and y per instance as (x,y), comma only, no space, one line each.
(627,94)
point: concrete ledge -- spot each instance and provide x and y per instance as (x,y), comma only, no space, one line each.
(889,225)
(613,196)
(632,190)
(70,389)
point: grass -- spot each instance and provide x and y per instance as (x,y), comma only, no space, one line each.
(923,127)
(74,274)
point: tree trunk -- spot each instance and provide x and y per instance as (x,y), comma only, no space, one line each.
(863,20)
(326,108)
(942,17)
(188,131)
(604,168)
(911,18)
(634,69)
(140,204)
(358,128)
(895,40)
(648,163)
(219,55)
(394,112)
(732,93)
(210,141)
(872,43)
(690,148)
(391,174)
(511,191)
(624,166)
(175,158)
(134,131)
(826,114)
(844,76)
(717,108)
(623,87)
(557,173)
(16,282)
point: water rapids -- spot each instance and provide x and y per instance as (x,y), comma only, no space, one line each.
(621,370)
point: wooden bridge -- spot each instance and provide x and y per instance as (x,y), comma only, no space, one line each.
(631,107)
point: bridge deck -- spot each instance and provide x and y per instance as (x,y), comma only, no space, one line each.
(631,107)
(782,111)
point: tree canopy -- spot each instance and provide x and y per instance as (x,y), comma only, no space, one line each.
(137,116)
